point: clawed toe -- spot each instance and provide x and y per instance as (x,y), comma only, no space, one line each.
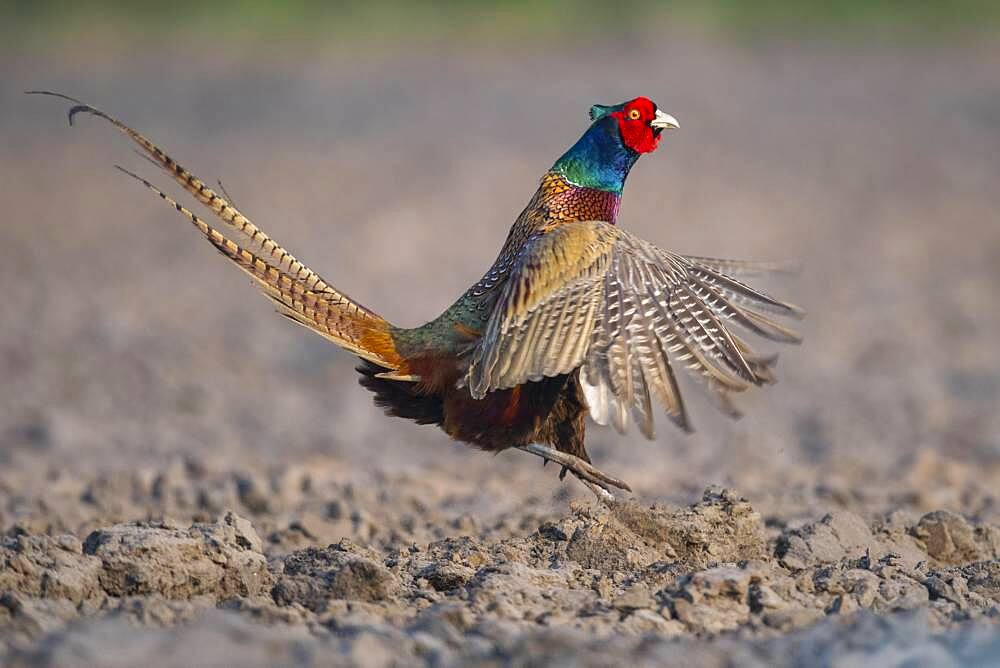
(597,481)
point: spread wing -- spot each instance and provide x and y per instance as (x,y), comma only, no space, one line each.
(592,295)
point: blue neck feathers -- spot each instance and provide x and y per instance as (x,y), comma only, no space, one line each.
(598,159)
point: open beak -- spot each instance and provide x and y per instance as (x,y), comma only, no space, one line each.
(664,121)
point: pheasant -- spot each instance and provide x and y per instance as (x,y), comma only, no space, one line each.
(576,316)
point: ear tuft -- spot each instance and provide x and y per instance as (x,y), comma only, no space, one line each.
(600,111)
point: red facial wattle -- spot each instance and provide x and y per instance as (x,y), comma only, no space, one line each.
(634,125)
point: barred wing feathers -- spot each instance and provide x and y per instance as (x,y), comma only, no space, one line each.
(592,295)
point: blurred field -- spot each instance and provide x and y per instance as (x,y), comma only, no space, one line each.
(391,155)
(464,23)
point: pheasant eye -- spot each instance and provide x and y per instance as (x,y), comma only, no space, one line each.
(634,114)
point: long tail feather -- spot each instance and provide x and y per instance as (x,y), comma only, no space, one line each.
(222,209)
(367,337)
(299,293)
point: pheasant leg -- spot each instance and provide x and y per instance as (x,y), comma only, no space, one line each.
(597,481)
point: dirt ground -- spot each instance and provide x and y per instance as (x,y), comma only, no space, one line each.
(187,478)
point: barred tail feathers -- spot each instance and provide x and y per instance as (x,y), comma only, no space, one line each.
(223,210)
(329,313)
(298,292)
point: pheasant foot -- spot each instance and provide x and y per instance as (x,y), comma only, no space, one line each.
(596,480)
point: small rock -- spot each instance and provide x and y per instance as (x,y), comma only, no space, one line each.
(984,579)
(902,594)
(762,597)
(649,621)
(843,604)
(635,597)
(223,559)
(39,565)
(447,576)
(947,537)
(314,576)
(713,600)
(951,588)
(837,536)
(792,617)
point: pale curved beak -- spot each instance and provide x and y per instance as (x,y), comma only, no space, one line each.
(664,121)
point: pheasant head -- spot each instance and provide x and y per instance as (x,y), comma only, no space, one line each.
(619,134)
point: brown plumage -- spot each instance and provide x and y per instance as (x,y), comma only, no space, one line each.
(576,316)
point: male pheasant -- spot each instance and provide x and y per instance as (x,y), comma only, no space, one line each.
(575,316)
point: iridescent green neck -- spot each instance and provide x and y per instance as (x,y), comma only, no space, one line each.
(599,159)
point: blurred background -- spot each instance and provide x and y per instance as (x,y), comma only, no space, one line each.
(390,146)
